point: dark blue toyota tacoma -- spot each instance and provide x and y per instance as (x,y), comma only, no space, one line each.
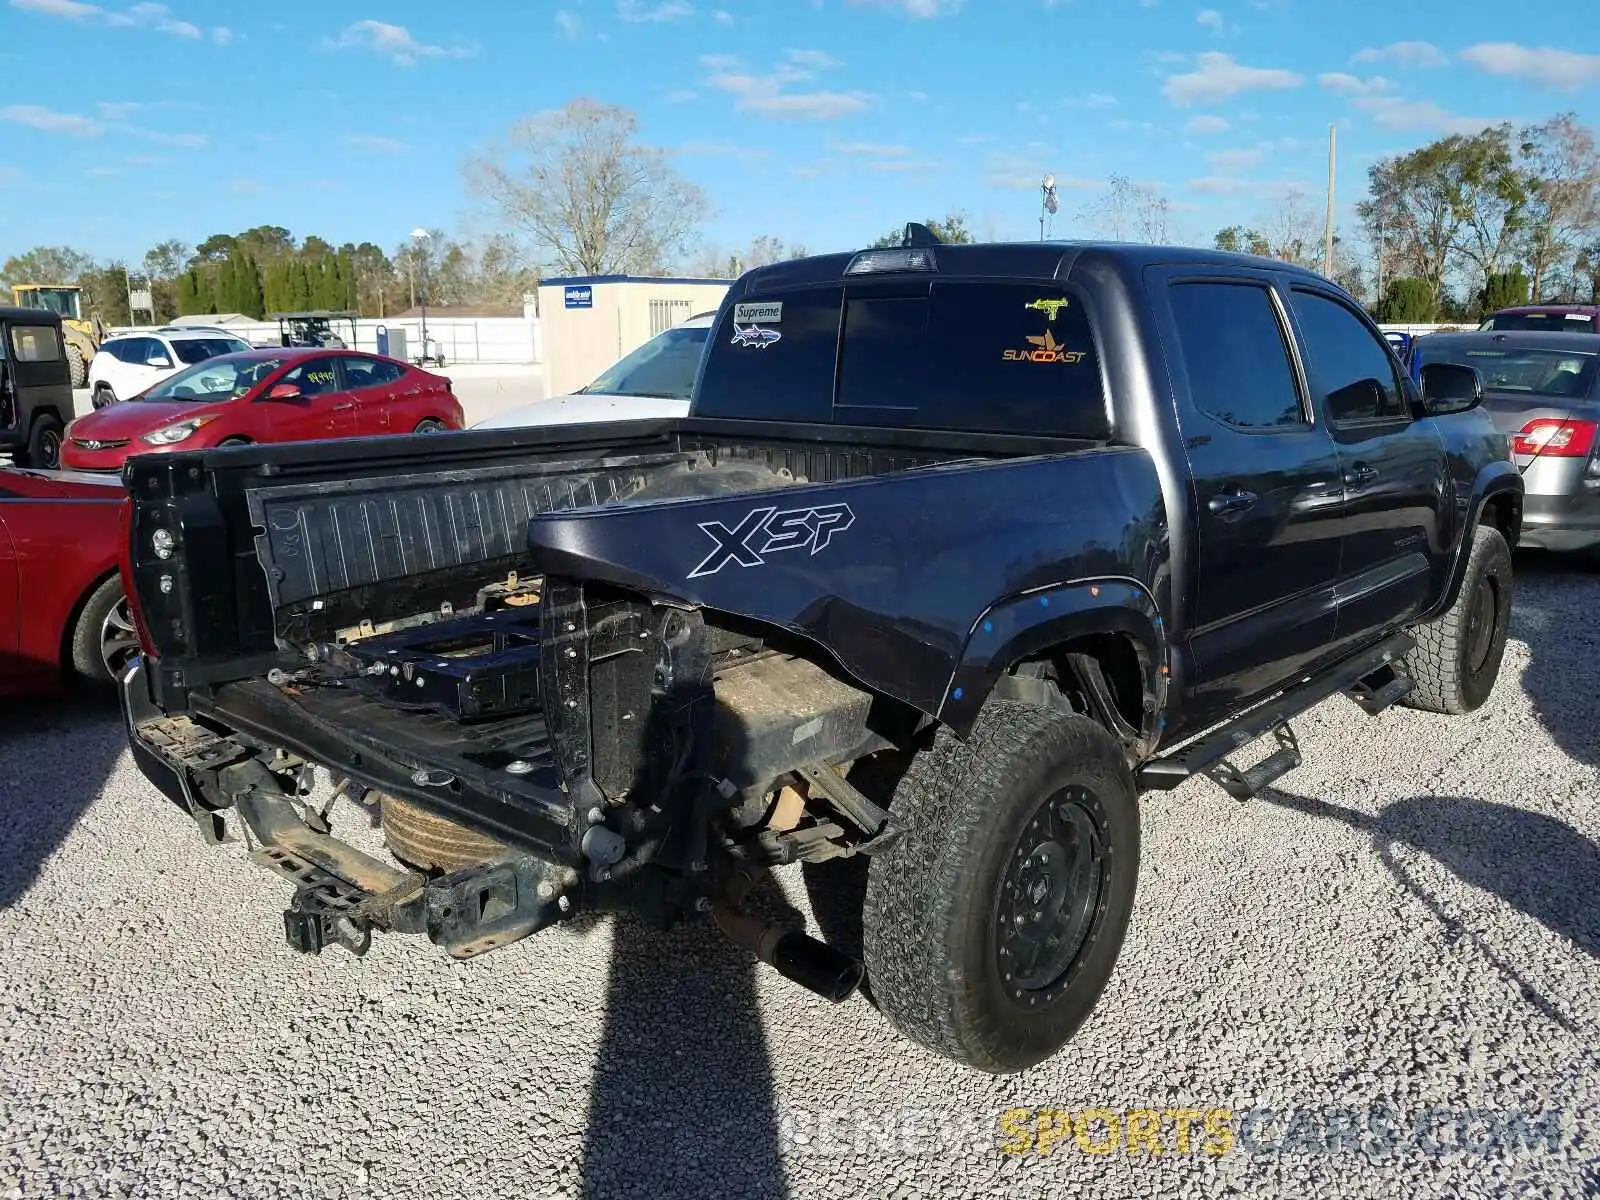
(960,549)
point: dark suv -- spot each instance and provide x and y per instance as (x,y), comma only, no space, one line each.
(35,386)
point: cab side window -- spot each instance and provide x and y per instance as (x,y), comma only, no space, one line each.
(1351,369)
(1235,354)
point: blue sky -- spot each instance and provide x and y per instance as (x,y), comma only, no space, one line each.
(822,122)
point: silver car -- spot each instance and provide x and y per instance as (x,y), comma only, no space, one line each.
(1542,392)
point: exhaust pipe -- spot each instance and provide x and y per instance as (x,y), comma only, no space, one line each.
(794,954)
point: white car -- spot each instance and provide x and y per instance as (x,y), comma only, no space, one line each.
(128,363)
(654,381)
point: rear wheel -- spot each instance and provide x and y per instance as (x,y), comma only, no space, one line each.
(44,444)
(991,928)
(1457,658)
(104,640)
(430,426)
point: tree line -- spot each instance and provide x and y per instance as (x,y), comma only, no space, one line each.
(267,269)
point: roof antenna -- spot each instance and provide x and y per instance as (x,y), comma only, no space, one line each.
(919,235)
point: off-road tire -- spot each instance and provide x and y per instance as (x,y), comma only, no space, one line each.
(43,450)
(77,367)
(1454,667)
(934,900)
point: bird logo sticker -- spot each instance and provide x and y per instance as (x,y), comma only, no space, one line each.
(1045,349)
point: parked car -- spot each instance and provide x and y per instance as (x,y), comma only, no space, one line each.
(959,550)
(654,381)
(129,363)
(281,395)
(1545,318)
(1543,391)
(63,614)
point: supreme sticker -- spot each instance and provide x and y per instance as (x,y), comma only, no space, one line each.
(769,312)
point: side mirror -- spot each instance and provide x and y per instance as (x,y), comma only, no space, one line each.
(1450,388)
(160,362)
(284,391)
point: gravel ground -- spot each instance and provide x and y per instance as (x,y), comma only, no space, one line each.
(1405,927)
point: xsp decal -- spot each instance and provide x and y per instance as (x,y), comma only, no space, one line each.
(755,335)
(765,531)
(1050,308)
(1046,350)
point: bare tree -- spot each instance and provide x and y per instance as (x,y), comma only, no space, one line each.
(1129,211)
(580,187)
(1293,231)
(1562,169)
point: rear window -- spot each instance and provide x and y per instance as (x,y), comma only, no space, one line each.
(969,355)
(193,350)
(1543,322)
(1567,374)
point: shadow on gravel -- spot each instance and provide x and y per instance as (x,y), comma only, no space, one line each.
(1537,864)
(682,1102)
(1553,612)
(59,753)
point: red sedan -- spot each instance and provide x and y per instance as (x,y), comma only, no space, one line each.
(63,614)
(277,395)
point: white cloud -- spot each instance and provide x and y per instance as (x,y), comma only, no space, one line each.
(1206,124)
(1210,18)
(373,141)
(72,10)
(920,9)
(1227,185)
(1343,84)
(1094,100)
(663,10)
(1234,160)
(569,23)
(186,141)
(1564,69)
(895,165)
(1418,116)
(722,17)
(767,94)
(1403,54)
(221,35)
(870,149)
(1218,77)
(153,16)
(395,43)
(49,121)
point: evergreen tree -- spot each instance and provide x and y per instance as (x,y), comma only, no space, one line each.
(189,293)
(227,293)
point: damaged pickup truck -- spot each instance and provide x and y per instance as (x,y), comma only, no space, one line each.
(959,551)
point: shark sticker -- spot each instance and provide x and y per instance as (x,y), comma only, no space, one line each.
(755,335)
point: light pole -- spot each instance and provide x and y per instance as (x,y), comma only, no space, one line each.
(1048,202)
(421,235)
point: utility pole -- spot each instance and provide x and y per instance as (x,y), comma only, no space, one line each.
(1327,229)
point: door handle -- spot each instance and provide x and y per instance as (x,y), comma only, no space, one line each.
(1234,500)
(342,407)
(1360,474)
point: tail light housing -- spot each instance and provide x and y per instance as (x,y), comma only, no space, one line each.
(1555,437)
(132,592)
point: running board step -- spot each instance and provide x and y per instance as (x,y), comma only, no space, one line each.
(1199,757)
(1382,688)
(1249,783)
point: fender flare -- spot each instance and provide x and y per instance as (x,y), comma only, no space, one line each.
(1021,626)
(1494,480)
